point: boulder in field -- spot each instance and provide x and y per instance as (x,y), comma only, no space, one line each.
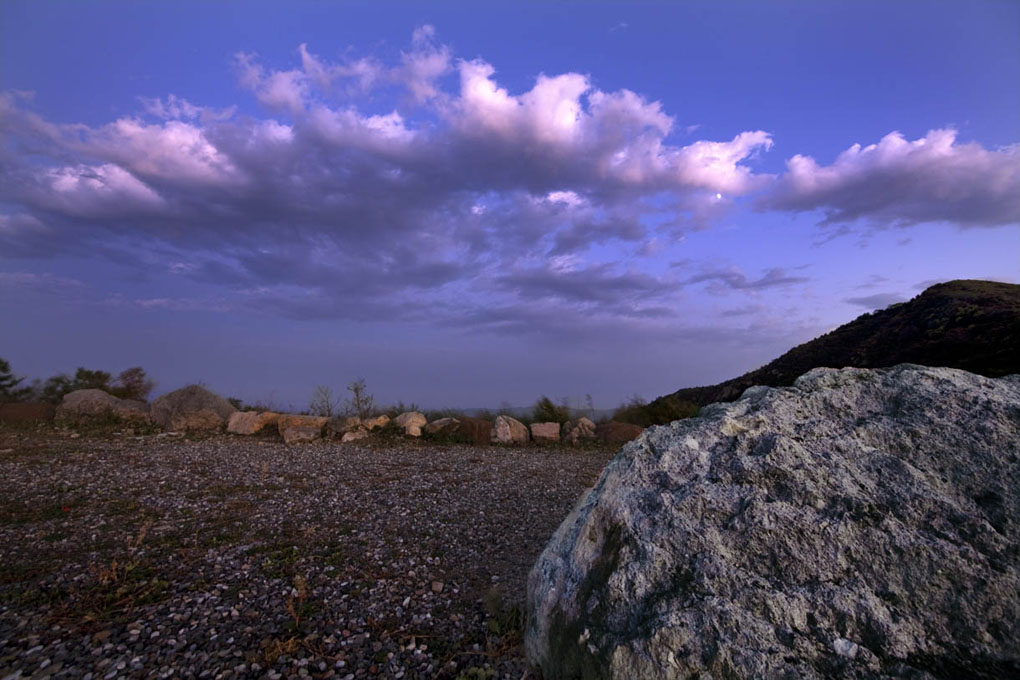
(443,427)
(83,405)
(574,432)
(476,431)
(354,435)
(411,423)
(250,422)
(861,523)
(545,433)
(375,423)
(507,430)
(615,433)
(300,433)
(191,408)
(298,428)
(27,412)
(340,425)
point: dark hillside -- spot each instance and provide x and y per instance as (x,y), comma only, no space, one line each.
(973,325)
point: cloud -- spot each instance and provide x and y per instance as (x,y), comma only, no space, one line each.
(876,301)
(424,183)
(897,182)
(733,279)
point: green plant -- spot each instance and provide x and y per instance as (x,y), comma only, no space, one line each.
(546,411)
(132,383)
(9,390)
(663,410)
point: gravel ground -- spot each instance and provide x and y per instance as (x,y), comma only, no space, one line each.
(233,557)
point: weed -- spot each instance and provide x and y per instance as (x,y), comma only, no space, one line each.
(271,649)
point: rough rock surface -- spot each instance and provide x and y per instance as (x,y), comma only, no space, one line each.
(84,404)
(339,425)
(574,432)
(300,433)
(617,433)
(544,433)
(475,431)
(354,435)
(27,412)
(443,427)
(411,423)
(297,428)
(507,430)
(377,422)
(250,422)
(191,408)
(861,523)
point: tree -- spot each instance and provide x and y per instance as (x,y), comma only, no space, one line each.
(323,402)
(545,411)
(54,389)
(86,379)
(9,390)
(360,403)
(133,383)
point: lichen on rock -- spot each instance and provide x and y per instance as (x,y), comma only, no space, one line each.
(859,523)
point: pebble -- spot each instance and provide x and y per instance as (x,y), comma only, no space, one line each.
(232,524)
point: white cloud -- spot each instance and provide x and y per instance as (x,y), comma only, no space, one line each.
(897,182)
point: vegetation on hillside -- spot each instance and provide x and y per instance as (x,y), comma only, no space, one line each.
(966,324)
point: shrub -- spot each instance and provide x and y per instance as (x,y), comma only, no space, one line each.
(9,390)
(323,402)
(661,411)
(360,403)
(132,383)
(545,411)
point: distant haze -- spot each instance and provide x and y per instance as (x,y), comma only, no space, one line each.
(472,208)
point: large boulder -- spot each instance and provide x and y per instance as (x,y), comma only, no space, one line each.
(861,523)
(574,432)
(507,430)
(411,423)
(378,422)
(615,433)
(26,412)
(338,426)
(84,405)
(476,431)
(298,428)
(443,427)
(250,422)
(191,408)
(545,433)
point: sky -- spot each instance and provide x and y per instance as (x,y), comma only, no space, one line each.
(475,204)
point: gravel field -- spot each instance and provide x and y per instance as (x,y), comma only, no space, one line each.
(231,557)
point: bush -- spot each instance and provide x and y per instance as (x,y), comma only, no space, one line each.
(659,412)
(132,383)
(323,402)
(360,403)
(545,411)
(9,390)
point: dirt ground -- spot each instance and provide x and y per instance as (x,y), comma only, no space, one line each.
(224,557)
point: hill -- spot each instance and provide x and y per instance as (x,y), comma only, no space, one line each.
(967,324)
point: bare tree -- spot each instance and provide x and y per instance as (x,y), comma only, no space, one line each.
(323,402)
(360,403)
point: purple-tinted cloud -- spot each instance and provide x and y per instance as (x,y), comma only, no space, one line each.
(876,301)
(734,279)
(899,183)
(463,192)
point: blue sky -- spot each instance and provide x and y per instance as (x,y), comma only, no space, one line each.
(468,204)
